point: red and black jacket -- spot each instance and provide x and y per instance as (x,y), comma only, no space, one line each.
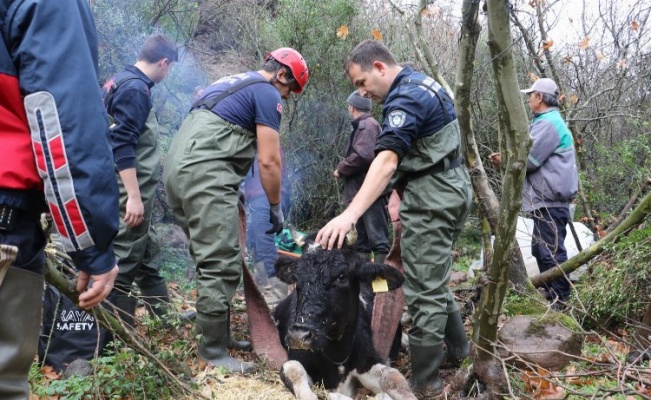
(54,137)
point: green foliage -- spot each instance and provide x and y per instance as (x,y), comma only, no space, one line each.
(315,126)
(117,375)
(619,285)
(469,245)
(619,167)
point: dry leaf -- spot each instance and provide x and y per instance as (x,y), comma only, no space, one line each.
(532,77)
(621,64)
(600,55)
(425,12)
(547,44)
(635,25)
(377,35)
(567,60)
(49,372)
(342,32)
(585,43)
(554,392)
(574,99)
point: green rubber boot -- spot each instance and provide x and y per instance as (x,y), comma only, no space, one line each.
(456,342)
(20,320)
(425,363)
(213,344)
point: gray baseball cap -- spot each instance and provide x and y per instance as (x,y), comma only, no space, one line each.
(542,85)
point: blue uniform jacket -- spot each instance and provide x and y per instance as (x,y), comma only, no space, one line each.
(51,48)
(408,113)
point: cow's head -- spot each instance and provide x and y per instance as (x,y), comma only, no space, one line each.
(328,291)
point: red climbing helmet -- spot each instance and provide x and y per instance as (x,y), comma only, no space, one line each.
(293,60)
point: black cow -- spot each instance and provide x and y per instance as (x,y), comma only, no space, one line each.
(325,324)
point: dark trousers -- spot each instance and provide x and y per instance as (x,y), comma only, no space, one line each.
(373,228)
(26,234)
(548,245)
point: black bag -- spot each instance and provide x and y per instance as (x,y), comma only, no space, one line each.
(68,332)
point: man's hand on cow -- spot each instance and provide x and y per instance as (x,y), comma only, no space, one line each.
(276,219)
(102,285)
(335,231)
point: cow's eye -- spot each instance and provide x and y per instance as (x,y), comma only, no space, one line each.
(343,277)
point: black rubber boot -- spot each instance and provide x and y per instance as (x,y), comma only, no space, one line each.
(20,320)
(126,307)
(379,258)
(157,300)
(425,363)
(242,345)
(456,342)
(366,256)
(213,341)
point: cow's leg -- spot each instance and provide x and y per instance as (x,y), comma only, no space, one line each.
(383,379)
(297,380)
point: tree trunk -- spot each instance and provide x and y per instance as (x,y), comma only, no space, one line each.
(637,216)
(517,143)
(484,194)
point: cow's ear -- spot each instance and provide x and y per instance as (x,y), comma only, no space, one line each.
(370,271)
(285,267)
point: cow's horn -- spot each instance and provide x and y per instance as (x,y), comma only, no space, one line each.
(298,238)
(351,236)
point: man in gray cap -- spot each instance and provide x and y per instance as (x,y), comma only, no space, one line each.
(373,226)
(551,183)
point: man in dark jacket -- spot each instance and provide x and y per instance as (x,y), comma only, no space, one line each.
(134,135)
(54,154)
(372,227)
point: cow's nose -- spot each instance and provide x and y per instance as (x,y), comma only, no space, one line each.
(300,337)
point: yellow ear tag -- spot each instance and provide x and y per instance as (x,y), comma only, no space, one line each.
(380,285)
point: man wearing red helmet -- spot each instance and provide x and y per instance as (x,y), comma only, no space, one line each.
(207,160)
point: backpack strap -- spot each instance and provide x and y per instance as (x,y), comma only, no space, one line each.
(112,86)
(211,102)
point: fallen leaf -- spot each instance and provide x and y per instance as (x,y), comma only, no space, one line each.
(622,64)
(342,32)
(547,44)
(377,35)
(425,12)
(574,99)
(554,392)
(49,372)
(600,55)
(532,77)
(567,59)
(635,25)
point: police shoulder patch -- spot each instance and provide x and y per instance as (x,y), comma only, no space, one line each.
(397,118)
(279,108)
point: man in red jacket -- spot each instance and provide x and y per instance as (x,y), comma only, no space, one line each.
(54,154)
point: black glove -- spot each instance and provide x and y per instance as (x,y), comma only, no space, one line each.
(276,219)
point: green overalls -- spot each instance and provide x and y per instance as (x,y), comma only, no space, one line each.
(137,247)
(207,160)
(433,210)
